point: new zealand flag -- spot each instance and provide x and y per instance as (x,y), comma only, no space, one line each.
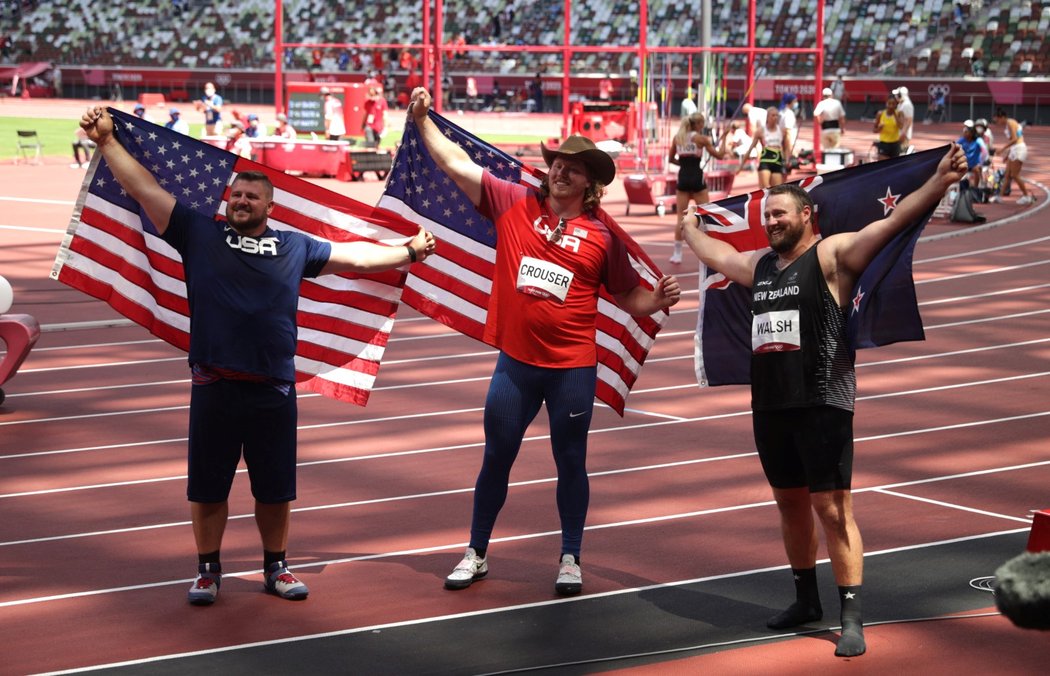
(884,309)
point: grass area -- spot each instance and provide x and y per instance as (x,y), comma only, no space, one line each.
(57,136)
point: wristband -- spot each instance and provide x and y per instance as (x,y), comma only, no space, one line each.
(411,254)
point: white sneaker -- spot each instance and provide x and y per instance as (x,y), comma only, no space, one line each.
(994,199)
(676,257)
(570,577)
(471,568)
(1026,200)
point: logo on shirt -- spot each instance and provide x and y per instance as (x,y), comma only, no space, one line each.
(260,246)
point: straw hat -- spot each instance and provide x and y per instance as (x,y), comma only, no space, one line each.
(598,162)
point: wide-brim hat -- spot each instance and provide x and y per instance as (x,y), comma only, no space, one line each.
(598,162)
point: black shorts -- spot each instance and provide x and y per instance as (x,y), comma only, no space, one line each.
(691,182)
(889,149)
(806,447)
(771,160)
(228,415)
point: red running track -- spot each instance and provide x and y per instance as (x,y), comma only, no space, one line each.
(96,550)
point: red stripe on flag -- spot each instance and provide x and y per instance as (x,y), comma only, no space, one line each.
(125,306)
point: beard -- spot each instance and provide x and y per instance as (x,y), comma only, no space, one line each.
(245,223)
(786,240)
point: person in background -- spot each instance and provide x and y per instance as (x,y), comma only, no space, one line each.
(888,125)
(334,122)
(687,151)
(82,145)
(237,142)
(773,166)
(1014,153)
(211,105)
(789,117)
(907,109)
(176,123)
(284,129)
(255,128)
(976,152)
(832,117)
(688,104)
(375,117)
(140,112)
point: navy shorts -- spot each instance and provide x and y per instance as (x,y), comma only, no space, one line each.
(228,416)
(806,447)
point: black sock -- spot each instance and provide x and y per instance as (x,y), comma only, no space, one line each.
(806,607)
(851,643)
(480,551)
(210,557)
(270,558)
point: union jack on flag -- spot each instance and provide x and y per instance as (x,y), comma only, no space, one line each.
(884,308)
(453,285)
(111,252)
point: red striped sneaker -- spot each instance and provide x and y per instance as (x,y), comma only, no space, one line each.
(206,587)
(281,582)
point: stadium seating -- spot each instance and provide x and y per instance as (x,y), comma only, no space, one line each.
(892,37)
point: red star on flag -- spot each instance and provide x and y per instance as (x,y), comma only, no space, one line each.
(889,202)
(858,298)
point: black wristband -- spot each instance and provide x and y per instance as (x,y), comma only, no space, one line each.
(412,257)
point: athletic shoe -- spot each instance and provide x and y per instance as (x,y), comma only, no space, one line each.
(206,587)
(676,257)
(471,568)
(280,581)
(1026,200)
(994,199)
(570,578)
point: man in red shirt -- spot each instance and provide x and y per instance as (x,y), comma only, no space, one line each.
(375,117)
(552,255)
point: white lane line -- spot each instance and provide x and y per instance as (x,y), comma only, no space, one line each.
(950,505)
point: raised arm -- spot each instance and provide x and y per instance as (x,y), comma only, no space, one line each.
(452,159)
(844,256)
(132,176)
(720,151)
(718,255)
(371,257)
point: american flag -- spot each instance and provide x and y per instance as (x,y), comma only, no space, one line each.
(883,310)
(111,252)
(453,285)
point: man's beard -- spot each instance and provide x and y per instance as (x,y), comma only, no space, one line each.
(245,227)
(789,238)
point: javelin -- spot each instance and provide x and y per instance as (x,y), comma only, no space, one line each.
(743,99)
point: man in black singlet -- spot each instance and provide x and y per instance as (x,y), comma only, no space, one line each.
(803,382)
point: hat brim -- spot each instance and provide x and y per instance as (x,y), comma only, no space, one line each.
(601,166)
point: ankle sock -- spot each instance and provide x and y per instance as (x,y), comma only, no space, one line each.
(806,607)
(481,551)
(212,558)
(851,643)
(270,558)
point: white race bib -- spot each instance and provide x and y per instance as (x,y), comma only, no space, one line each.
(544,279)
(776,332)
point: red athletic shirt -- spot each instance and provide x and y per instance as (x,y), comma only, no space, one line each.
(545,294)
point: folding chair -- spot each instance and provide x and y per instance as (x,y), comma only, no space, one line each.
(29,141)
